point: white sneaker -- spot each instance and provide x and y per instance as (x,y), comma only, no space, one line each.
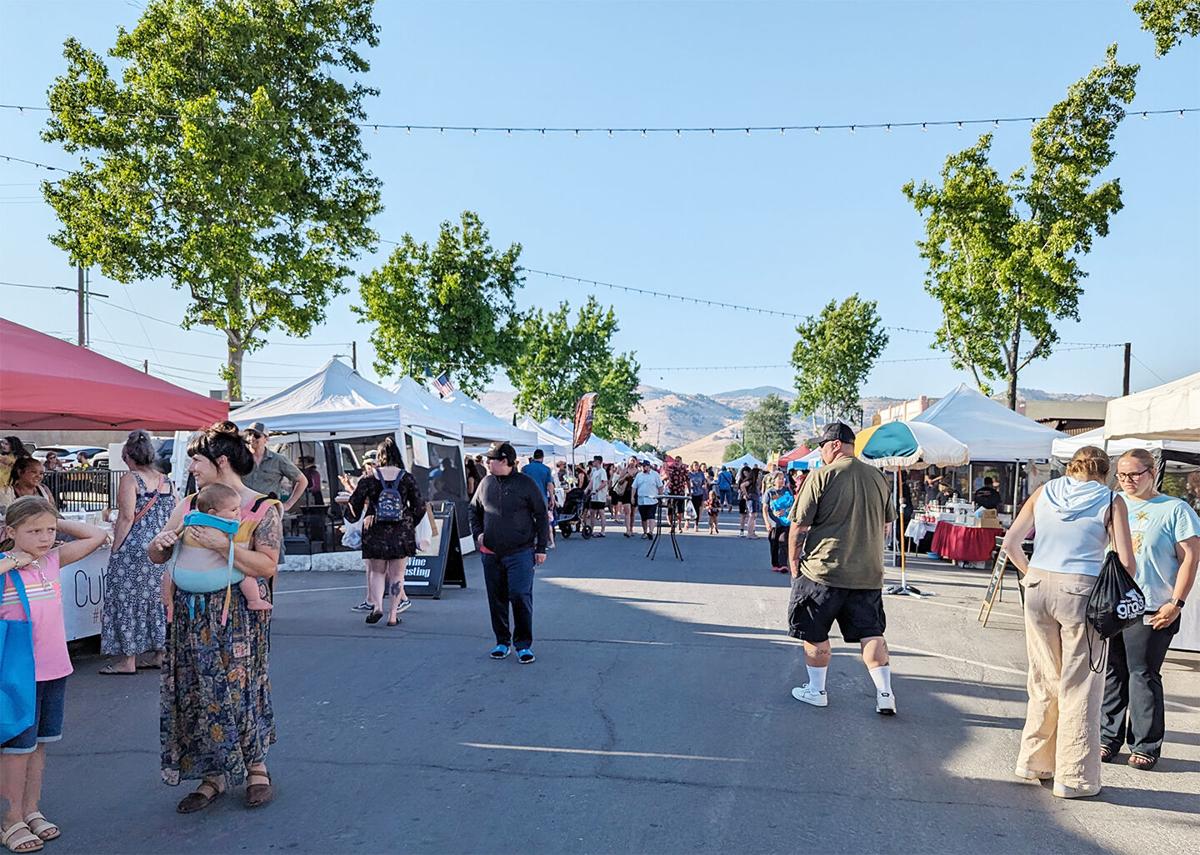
(1032,774)
(1065,792)
(885,703)
(810,696)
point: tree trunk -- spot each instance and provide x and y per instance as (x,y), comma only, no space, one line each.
(1013,356)
(233,369)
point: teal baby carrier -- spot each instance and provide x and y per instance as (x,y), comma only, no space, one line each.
(198,570)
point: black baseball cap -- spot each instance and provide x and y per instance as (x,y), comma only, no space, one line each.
(836,431)
(502,451)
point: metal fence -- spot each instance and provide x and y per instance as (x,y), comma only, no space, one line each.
(83,489)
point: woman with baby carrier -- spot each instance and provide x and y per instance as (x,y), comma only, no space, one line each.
(390,506)
(216,720)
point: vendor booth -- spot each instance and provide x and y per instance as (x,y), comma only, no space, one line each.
(745,460)
(337,415)
(48,384)
(1168,413)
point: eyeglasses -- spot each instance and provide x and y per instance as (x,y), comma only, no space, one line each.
(1131,476)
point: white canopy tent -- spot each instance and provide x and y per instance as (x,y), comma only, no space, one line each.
(337,401)
(1066,447)
(595,445)
(744,460)
(990,430)
(476,424)
(550,443)
(560,429)
(1170,411)
(627,450)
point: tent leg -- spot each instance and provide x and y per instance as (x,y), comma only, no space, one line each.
(903,589)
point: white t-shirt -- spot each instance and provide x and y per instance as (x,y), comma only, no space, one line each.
(598,481)
(647,486)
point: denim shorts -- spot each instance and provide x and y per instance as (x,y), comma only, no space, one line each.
(47,718)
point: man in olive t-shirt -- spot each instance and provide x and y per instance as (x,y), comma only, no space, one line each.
(835,554)
(271,470)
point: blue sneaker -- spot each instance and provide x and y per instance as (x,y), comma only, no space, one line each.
(500,651)
(525,657)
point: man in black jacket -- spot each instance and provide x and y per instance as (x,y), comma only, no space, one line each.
(510,527)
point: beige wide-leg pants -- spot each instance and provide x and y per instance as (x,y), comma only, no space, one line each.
(1062,724)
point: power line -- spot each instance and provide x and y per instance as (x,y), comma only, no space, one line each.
(1161,379)
(780,128)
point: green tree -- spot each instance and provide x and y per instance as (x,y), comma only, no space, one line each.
(1003,256)
(733,451)
(448,308)
(768,428)
(226,159)
(557,362)
(834,355)
(1169,21)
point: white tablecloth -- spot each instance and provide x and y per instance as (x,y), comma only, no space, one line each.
(83,594)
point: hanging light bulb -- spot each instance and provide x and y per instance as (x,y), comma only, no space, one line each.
(1145,116)
(924,127)
(610,132)
(643,132)
(853,129)
(960,126)
(781,131)
(817,129)
(888,128)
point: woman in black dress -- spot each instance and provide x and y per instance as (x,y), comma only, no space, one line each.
(389,528)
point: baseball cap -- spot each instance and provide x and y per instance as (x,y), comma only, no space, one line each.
(502,451)
(256,427)
(836,431)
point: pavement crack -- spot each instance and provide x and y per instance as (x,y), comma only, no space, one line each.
(610,727)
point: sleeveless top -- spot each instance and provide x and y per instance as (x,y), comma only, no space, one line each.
(1070,521)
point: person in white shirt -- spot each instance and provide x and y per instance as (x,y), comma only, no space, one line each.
(647,486)
(598,490)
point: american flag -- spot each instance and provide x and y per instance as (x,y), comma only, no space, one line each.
(443,385)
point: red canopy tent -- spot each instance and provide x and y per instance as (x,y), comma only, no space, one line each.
(795,454)
(46,383)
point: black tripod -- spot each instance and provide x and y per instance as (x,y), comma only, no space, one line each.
(658,530)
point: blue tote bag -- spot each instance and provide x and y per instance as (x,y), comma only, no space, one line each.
(18,680)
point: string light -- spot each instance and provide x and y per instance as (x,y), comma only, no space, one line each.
(409,127)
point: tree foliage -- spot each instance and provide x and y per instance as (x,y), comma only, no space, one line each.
(1169,21)
(226,159)
(557,362)
(447,308)
(1003,256)
(733,451)
(834,355)
(767,428)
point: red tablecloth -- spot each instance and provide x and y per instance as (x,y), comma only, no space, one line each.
(964,543)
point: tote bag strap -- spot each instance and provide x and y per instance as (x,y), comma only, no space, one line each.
(19,584)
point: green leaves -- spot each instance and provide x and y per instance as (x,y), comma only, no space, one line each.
(834,355)
(767,429)
(1003,256)
(556,362)
(1169,21)
(447,308)
(225,159)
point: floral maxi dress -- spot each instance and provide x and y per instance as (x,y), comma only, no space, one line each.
(132,617)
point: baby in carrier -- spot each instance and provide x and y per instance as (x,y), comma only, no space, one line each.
(199,570)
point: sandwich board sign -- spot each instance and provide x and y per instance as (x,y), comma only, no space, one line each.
(442,562)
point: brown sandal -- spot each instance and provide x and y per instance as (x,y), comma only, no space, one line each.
(1107,755)
(199,800)
(1142,761)
(258,795)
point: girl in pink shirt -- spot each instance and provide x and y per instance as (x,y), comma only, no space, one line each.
(30,529)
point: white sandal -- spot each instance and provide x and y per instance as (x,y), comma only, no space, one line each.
(18,835)
(42,827)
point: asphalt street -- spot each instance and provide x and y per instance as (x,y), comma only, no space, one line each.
(658,718)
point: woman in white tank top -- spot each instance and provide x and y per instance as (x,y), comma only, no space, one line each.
(1075,518)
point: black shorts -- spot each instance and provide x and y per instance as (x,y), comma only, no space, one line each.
(813,607)
(675,506)
(597,506)
(741,505)
(647,511)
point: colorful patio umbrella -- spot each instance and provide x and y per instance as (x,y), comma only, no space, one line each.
(909,445)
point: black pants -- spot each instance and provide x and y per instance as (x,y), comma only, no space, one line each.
(1133,693)
(509,580)
(777,536)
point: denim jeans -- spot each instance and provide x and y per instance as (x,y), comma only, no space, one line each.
(509,580)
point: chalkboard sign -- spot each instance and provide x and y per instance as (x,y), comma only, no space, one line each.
(442,563)
(995,586)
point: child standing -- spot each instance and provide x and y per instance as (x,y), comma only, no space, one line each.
(217,500)
(714,508)
(29,531)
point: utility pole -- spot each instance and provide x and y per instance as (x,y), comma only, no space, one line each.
(146,366)
(81,305)
(354,355)
(1128,355)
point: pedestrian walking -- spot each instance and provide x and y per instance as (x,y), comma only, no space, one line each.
(623,493)
(676,478)
(647,487)
(132,620)
(839,519)
(510,527)
(777,506)
(597,481)
(714,508)
(725,486)
(698,490)
(1166,549)
(390,506)
(1076,516)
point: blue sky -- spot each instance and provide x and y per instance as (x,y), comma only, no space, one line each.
(786,222)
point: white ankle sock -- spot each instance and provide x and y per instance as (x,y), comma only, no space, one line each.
(816,677)
(882,676)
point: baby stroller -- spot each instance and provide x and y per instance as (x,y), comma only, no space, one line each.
(570,515)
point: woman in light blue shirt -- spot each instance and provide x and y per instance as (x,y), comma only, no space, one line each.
(1166,548)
